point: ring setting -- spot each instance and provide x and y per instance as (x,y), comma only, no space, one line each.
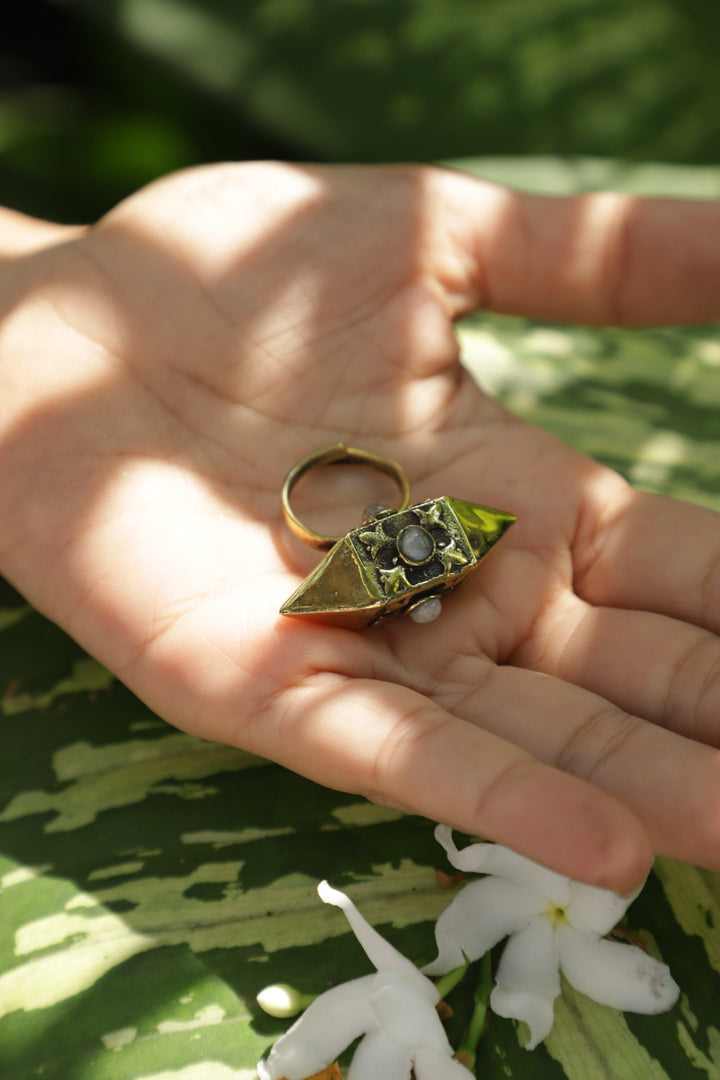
(398,560)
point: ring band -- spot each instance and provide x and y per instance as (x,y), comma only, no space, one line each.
(337,454)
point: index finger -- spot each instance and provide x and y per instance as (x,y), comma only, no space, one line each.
(600,258)
(399,748)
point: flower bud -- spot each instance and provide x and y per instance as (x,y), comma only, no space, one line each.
(282,1001)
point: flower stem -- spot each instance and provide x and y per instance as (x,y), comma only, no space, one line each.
(481,998)
(451,979)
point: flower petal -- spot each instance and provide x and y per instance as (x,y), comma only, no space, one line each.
(538,1012)
(528,980)
(499,860)
(324,1030)
(430,1065)
(378,1057)
(614,974)
(405,1016)
(596,909)
(481,914)
(380,952)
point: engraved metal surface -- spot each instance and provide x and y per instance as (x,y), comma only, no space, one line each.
(384,567)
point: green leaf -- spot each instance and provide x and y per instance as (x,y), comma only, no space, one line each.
(350,80)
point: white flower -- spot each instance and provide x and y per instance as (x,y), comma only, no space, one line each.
(394,1010)
(554,924)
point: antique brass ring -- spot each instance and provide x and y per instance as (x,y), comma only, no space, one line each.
(397,559)
(337,454)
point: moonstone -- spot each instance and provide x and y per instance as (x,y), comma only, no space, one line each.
(415,545)
(426,610)
(373,510)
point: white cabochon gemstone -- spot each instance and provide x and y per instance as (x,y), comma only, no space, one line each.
(426,610)
(415,545)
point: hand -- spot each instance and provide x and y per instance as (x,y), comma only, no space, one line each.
(163,370)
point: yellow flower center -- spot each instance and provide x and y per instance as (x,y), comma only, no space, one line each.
(556,915)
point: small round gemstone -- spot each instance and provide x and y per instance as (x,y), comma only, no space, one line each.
(415,545)
(373,510)
(426,610)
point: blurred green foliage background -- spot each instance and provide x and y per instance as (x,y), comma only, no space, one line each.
(99,96)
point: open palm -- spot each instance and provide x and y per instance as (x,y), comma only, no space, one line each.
(222,324)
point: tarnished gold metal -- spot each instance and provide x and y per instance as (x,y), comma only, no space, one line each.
(397,559)
(337,454)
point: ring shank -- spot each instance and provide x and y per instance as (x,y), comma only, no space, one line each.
(337,454)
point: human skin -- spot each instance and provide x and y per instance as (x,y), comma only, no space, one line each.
(161,371)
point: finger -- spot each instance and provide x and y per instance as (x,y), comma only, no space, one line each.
(395,747)
(23,235)
(595,258)
(669,782)
(650,552)
(650,665)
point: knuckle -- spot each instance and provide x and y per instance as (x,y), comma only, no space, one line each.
(692,697)
(599,738)
(518,775)
(404,749)
(620,213)
(710,593)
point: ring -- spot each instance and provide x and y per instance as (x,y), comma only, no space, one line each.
(337,454)
(397,559)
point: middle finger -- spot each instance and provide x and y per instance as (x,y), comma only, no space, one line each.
(671,782)
(654,666)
